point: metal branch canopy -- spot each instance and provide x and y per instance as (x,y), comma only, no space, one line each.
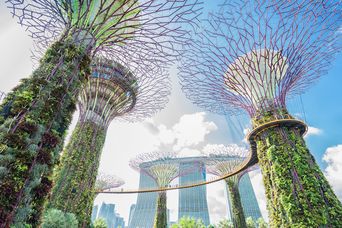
(106,181)
(104,23)
(253,54)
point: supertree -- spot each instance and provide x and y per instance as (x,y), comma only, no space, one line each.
(252,56)
(221,161)
(106,181)
(36,114)
(113,91)
(163,168)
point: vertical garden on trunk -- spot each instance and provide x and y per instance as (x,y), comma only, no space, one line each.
(75,178)
(110,92)
(34,118)
(296,189)
(238,216)
(160,221)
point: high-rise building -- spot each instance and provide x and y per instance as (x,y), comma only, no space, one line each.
(248,199)
(119,221)
(107,212)
(94,213)
(131,212)
(193,201)
(145,208)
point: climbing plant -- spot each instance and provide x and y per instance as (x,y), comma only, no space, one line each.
(238,217)
(74,178)
(298,193)
(33,121)
(160,220)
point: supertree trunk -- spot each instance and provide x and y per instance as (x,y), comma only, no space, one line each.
(160,220)
(34,118)
(74,183)
(298,194)
(238,217)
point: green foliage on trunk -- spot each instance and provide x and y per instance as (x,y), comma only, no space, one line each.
(74,178)
(160,221)
(33,121)
(238,217)
(261,223)
(298,194)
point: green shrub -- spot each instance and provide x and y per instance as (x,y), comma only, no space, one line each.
(187,222)
(100,223)
(54,218)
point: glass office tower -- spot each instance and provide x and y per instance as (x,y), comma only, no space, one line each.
(248,199)
(193,201)
(145,209)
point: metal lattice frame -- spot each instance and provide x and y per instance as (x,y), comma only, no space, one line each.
(124,90)
(163,167)
(106,182)
(253,54)
(222,160)
(108,25)
(110,92)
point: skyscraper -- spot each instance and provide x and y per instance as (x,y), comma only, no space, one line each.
(119,221)
(193,201)
(131,212)
(145,208)
(94,213)
(107,212)
(248,199)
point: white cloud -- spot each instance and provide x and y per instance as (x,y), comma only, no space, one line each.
(313,131)
(191,130)
(333,172)
(189,152)
(217,202)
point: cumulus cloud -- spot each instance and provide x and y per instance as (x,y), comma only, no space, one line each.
(333,171)
(313,131)
(217,202)
(192,129)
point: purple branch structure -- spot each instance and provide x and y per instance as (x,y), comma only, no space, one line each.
(252,56)
(68,35)
(105,182)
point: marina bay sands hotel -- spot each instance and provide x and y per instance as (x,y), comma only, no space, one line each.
(192,202)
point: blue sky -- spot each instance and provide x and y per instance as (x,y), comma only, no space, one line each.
(323,108)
